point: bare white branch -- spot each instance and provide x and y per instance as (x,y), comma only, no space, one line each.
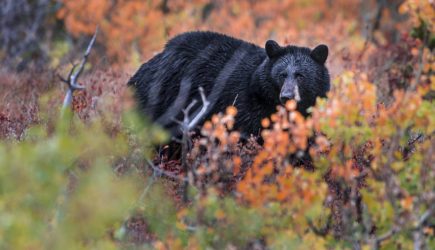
(74,74)
(199,116)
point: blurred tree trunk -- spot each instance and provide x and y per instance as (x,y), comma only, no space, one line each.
(373,17)
(23,25)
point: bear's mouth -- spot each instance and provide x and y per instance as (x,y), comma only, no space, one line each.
(290,94)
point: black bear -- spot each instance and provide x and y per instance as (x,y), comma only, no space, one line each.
(231,72)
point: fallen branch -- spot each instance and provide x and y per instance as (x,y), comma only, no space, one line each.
(201,113)
(74,74)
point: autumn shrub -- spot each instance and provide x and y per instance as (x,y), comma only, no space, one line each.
(57,189)
(372,184)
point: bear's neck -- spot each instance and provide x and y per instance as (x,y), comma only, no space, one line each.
(261,86)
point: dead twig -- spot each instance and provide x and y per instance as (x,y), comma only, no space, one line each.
(74,74)
(186,126)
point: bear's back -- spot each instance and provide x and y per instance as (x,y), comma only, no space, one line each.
(199,40)
(220,64)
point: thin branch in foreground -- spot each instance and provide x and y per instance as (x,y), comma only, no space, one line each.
(386,235)
(159,171)
(426,215)
(74,74)
(323,231)
(376,243)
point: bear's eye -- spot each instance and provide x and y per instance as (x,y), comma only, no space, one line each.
(299,76)
(283,75)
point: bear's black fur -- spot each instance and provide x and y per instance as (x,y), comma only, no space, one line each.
(232,72)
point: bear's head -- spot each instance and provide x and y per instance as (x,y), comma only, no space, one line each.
(297,73)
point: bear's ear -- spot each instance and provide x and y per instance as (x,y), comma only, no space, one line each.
(272,48)
(320,53)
